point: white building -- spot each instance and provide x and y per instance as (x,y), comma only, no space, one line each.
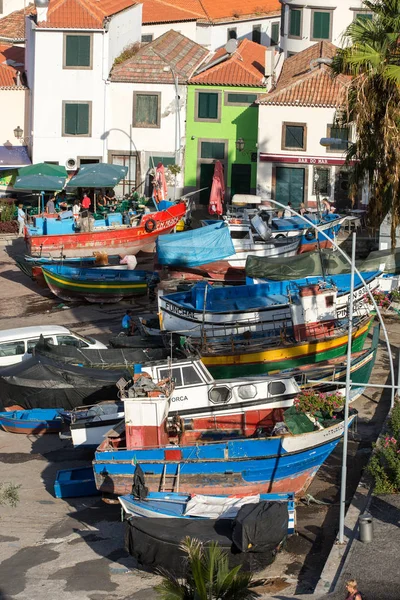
(212,24)
(302,109)
(304,23)
(13,108)
(71,47)
(9,6)
(148,106)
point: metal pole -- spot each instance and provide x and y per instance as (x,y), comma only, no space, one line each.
(347,397)
(378,312)
(398,376)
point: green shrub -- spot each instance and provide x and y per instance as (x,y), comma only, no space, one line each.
(384,465)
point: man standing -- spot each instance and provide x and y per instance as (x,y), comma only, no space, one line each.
(21,220)
(86,202)
(50,207)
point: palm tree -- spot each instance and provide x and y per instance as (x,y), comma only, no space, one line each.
(208,577)
(372,59)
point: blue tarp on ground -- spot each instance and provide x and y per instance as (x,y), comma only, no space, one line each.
(195,247)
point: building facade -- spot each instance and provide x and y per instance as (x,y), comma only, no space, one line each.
(222,121)
(70,50)
(9,6)
(304,23)
(293,118)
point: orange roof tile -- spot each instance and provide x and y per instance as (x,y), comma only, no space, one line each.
(149,63)
(208,10)
(12,27)
(245,67)
(305,82)
(86,14)
(11,62)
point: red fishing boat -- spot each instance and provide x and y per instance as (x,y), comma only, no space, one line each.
(113,239)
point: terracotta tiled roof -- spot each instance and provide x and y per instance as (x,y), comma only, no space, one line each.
(11,62)
(88,14)
(245,67)
(305,82)
(12,27)
(208,10)
(149,63)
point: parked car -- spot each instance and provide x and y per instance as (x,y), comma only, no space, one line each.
(16,345)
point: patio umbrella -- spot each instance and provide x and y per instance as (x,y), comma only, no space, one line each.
(41,178)
(98,175)
(217,190)
(160,189)
(43,169)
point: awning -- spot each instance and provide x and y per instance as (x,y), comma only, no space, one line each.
(12,157)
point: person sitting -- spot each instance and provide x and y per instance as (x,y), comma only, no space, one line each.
(111,200)
(50,206)
(326,205)
(288,213)
(101,201)
(302,209)
(127,323)
(352,590)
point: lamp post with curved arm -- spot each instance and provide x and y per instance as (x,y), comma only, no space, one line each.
(105,135)
(348,366)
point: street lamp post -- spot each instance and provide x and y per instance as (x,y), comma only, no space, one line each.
(105,135)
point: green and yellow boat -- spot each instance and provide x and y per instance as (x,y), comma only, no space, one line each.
(99,284)
(241,357)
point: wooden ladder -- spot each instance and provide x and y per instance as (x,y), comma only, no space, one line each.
(173,478)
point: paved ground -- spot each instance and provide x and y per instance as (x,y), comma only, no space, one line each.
(75,549)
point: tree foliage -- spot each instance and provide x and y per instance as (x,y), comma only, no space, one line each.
(371,56)
(208,577)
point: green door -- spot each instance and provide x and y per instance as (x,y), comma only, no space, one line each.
(241,179)
(206,176)
(289,186)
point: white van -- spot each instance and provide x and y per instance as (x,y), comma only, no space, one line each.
(16,345)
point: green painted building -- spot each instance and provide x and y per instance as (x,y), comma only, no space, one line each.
(222,120)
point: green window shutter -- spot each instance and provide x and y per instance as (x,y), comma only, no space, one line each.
(76,119)
(294,136)
(339,133)
(212,150)
(165,160)
(256,34)
(364,16)
(294,22)
(322,25)
(146,110)
(207,105)
(77,51)
(82,126)
(274,34)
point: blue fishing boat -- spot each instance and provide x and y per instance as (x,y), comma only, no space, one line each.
(36,421)
(261,307)
(283,456)
(97,285)
(73,483)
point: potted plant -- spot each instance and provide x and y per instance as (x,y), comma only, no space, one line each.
(312,402)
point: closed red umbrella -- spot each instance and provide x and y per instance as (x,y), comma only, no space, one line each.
(160,190)
(217,190)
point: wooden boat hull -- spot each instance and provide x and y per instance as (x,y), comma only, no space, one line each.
(93,290)
(238,466)
(73,483)
(16,421)
(286,356)
(123,240)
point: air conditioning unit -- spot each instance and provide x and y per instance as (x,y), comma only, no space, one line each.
(71,164)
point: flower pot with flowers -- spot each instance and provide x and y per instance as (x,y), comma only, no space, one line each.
(319,405)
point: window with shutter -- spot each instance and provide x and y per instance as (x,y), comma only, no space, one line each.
(294,136)
(338,133)
(208,106)
(295,22)
(256,34)
(146,109)
(362,16)
(77,52)
(321,25)
(274,34)
(77,118)
(240,99)
(214,150)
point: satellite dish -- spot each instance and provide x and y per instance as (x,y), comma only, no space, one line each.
(231,45)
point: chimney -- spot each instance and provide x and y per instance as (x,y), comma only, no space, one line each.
(269,69)
(42,6)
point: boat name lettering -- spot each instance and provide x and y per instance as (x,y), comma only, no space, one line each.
(179,399)
(183,312)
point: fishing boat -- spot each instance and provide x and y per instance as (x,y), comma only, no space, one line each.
(283,455)
(54,237)
(264,307)
(74,483)
(32,422)
(97,285)
(250,532)
(235,356)
(213,251)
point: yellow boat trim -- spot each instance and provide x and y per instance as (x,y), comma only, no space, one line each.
(281,353)
(96,286)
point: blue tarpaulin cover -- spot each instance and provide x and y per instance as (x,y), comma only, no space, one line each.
(195,247)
